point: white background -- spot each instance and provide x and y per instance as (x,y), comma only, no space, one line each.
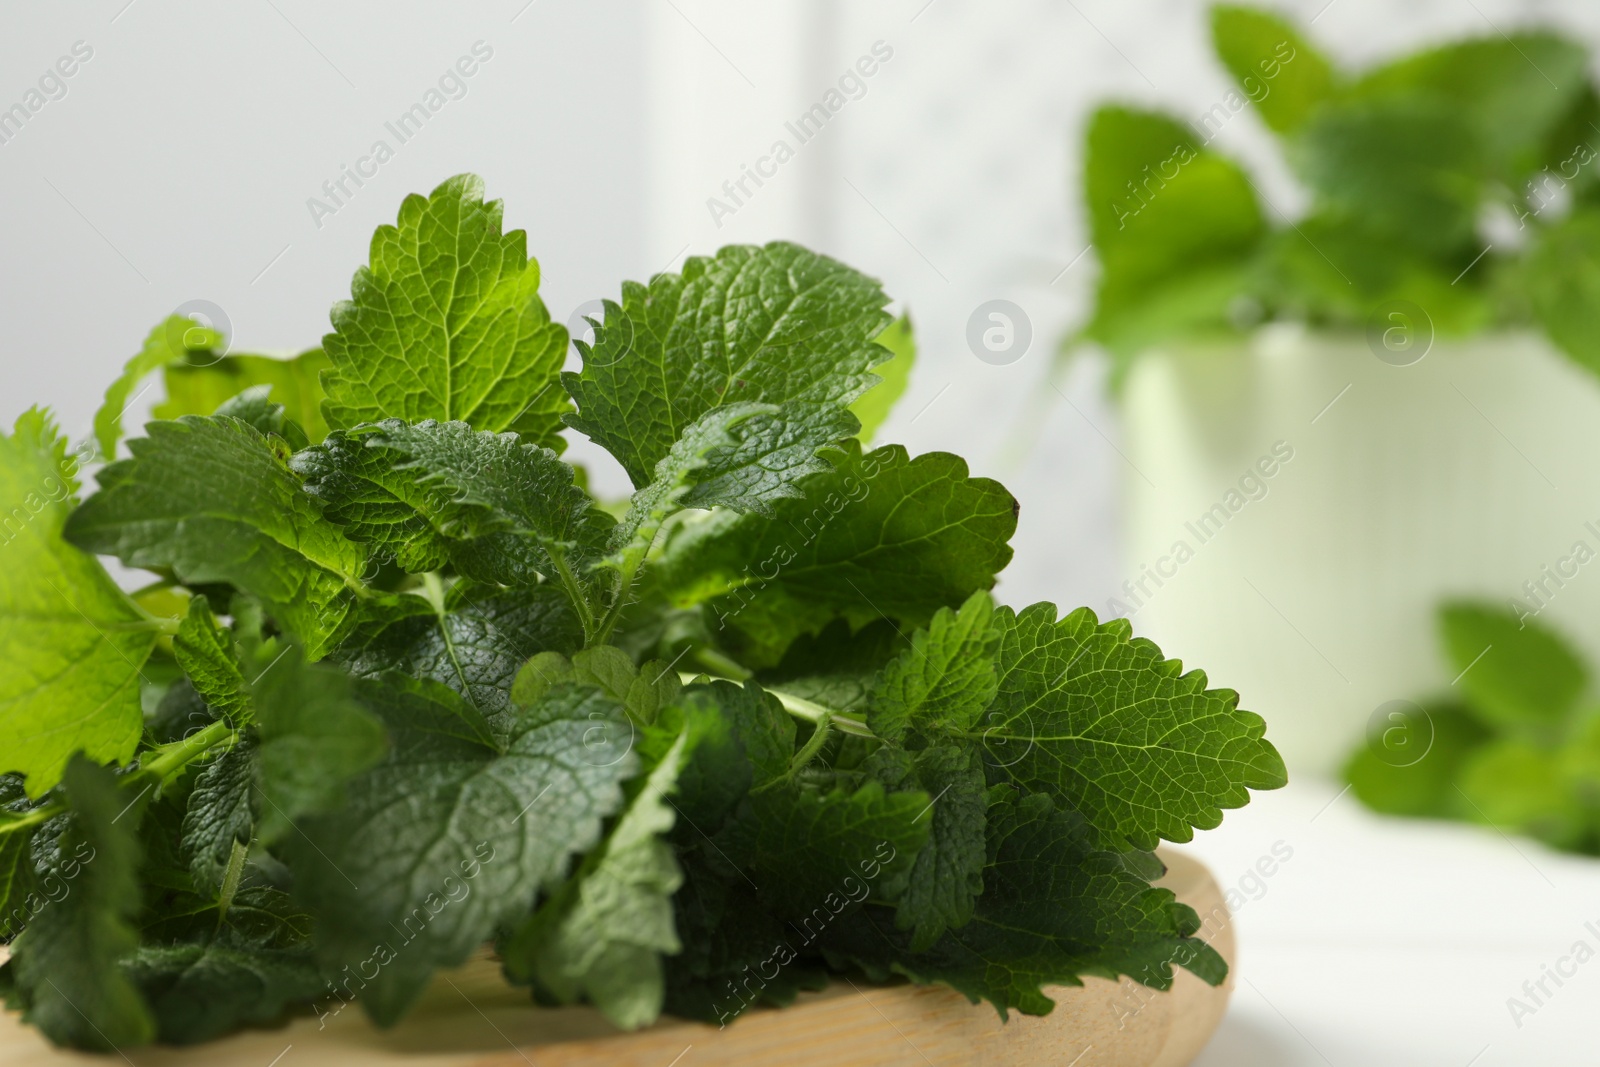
(179,164)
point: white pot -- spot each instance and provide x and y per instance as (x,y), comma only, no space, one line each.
(1472,472)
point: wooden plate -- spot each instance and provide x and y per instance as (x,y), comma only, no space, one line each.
(470,1018)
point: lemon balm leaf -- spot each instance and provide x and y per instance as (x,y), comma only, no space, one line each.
(445,323)
(72,641)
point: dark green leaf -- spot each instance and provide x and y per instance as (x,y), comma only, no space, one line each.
(213,500)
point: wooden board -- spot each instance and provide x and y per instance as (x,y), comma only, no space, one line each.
(470,1018)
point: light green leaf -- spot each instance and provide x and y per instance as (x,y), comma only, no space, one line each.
(1160,206)
(72,642)
(214,501)
(446,323)
(1513,91)
(894,373)
(174,339)
(1516,674)
(1282,74)
(771,325)
(1409,168)
(200,388)
(1562,273)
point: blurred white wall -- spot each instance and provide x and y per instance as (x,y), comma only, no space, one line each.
(179,164)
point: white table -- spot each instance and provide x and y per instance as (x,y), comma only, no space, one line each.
(1395,941)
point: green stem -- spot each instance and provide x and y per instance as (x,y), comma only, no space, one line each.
(164,761)
(619,595)
(810,711)
(32,818)
(574,591)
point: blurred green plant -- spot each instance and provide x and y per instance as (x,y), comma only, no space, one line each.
(1461,179)
(1516,747)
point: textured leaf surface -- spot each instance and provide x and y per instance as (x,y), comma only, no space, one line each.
(947,877)
(773,325)
(451,835)
(1053,908)
(496,505)
(945,680)
(446,323)
(221,811)
(881,535)
(1097,719)
(209,498)
(66,961)
(72,642)
(207,656)
(476,646)
(602,935)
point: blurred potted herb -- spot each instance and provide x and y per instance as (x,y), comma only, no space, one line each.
(1518,747)
(1448,204)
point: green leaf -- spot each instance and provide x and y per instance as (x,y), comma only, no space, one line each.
(315,737)
(66,960)
(73,643)
(427,492)
(475,645)
(201,386)
(642,691)
(772,325)
(221,811)
(1410,168)
(872,407)
(1278,70)
(1053,909)
(212,499)
(199,992)
(1513,91)
(17,882)
(446,323)
(1391,781)
(204,974)
(1519,786)
(945,680)
(174,339)
(881,535)
(1097,719)
(452,835)
(947,878)
(1562,280)
(1160,207)
(602,935)
(1516,674)
(207,655)
(813,855)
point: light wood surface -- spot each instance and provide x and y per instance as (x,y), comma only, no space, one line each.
(470,1018)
